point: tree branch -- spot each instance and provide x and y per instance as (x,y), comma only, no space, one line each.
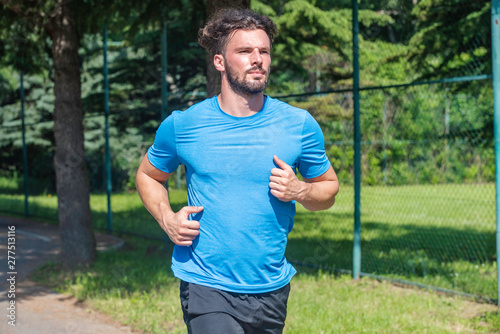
(32,14)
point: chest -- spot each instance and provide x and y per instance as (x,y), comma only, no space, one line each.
(239,150)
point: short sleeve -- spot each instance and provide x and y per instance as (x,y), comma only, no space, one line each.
(163,153)
(313,161)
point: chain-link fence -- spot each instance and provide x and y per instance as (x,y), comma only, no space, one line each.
(428,189)
(427,154)
(427,163)
(428,200)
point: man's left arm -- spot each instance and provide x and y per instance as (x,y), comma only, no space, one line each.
(314,194)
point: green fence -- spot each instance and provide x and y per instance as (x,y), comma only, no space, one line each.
(428,213)
(417,202)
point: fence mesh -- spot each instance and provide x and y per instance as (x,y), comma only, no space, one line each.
(428,200)
(427,151)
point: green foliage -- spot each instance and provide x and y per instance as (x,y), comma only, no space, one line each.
(134,74)
(314,43)
(22,45)
(404,139)
(415,135)
(451,38)
(38,121)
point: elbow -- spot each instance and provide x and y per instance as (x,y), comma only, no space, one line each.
(328,202)
(319,205)
(137,179)
(322,206)
(323,200)
(139,176)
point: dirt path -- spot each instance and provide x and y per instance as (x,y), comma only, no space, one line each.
(33,308)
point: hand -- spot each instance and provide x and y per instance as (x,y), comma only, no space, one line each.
(284,184)
(179,228)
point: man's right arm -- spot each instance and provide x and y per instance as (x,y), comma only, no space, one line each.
(150,186)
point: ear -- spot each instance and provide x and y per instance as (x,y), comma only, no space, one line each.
(219,62)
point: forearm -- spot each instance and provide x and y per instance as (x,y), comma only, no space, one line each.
(150,186)
(154,195)
(318,195)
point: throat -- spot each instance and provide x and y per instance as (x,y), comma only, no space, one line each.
(241,106)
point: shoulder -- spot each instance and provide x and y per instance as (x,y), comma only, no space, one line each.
(288,111)
(192,114)
(282,108)
(201,106)
(278,105)
(300,117)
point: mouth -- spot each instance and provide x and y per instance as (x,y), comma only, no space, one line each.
(257,72)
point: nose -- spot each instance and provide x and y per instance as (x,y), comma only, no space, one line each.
(256,57)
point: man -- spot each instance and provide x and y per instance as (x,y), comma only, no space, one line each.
(240,149)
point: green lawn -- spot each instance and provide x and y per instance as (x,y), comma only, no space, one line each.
(440,235)
(135,286)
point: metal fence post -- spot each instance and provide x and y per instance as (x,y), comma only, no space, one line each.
(164,101)
(164,97)
(356,257)
(25,150)
(106,108)
(164,90)
(495,51)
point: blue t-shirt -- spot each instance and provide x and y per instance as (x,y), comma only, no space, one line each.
(244,228)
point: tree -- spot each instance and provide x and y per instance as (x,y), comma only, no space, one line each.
(57,20)
(65,23)
(452,38)
(313,48)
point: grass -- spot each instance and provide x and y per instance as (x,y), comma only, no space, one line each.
(136,287)
(439,235)
(426,234)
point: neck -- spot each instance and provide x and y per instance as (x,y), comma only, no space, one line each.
(239,105)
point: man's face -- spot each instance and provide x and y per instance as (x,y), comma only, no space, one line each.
(247,61)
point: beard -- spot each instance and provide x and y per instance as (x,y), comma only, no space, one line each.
(244,86)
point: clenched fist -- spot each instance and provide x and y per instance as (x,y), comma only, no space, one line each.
(284,184)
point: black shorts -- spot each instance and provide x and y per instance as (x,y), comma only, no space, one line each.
(209,310)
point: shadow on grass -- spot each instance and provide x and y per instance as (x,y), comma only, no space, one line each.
(136,221)
(459,258)
(141,266)
(15,186)
(15,205)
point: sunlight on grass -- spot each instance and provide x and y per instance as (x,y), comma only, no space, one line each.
(426,234)
(136,287)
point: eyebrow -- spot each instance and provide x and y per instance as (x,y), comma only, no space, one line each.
(247,47)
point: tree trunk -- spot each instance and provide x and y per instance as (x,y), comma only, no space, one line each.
(213,76)
(72,178)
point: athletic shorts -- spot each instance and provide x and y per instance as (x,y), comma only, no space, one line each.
(209,310)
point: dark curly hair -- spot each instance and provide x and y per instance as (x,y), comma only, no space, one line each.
(215,35)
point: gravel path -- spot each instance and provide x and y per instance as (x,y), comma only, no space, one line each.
(31,307)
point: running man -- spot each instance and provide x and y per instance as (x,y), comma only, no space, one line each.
(241,150)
